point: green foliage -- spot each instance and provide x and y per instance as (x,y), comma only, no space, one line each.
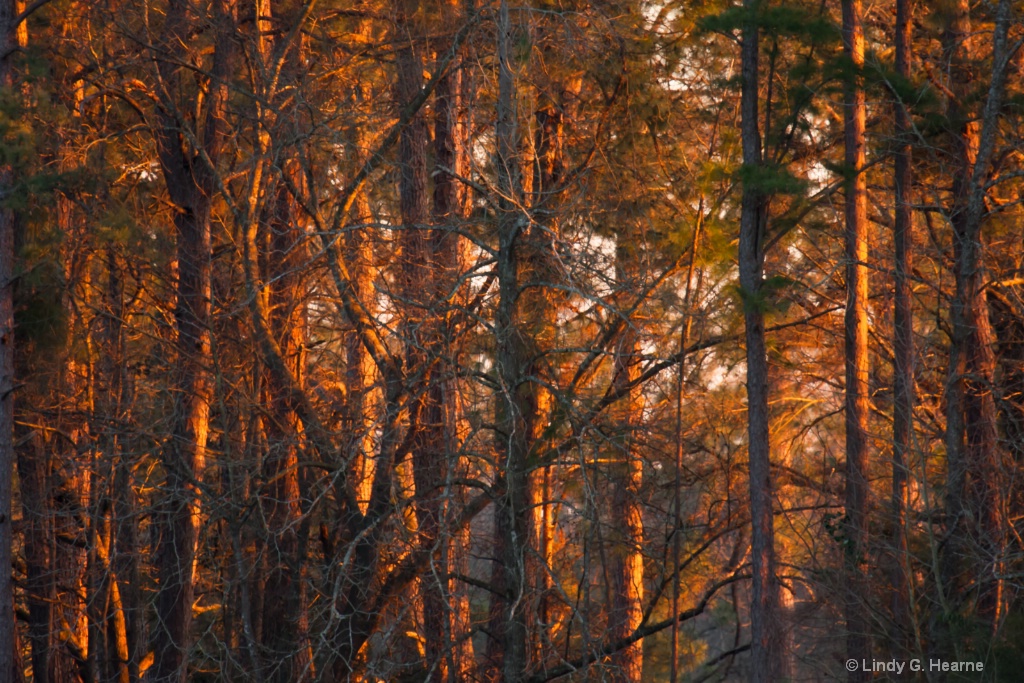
(811,26)
(1014,103)
(39,315)
(770,179)
(522,46)
(814,27)
(17,140)
(727,21)
(1006,651)
(773,286)
(914,95)
(768,298)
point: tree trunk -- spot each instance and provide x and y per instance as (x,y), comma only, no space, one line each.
(903,342)
(191,187)
(118,562)
(858,643)
(766,650)
(540,275)
(32,475)
(71,479)
(973,552)
(626,573)
(423,333)
(448,210)
(537,272)
(185,454)
(8,625)
(125,639)
(676,532)
(508,646)
(285,620)
(360,373)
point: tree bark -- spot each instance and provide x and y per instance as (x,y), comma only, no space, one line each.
(32,475)
(508,653)
(903,339)
(360,374)
(33,460)
(8,625)
(626,573)
(454,652)
(285,632)
(127,640)
(191,187)
(974,550)
(69,487)
(858,643)
(424,339)
(766,649)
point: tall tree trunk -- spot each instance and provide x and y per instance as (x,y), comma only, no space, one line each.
(362,399)
(34,461)
(190,185)
(974,549)
(903,341)
(766,651)
(71,480)
(626,573)
(422,331)
(117,602)
(124,562)
(448,210)
(858,643)
(98,605)
(531,270)
(53,557)
(508,648)
(285,619)
(537,272)
(185,454)
(113,614)
(32,475)
(8,625)
(676,532)
(540,274)
(125,639)
(359,368)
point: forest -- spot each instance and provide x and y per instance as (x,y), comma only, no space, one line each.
(511,340)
